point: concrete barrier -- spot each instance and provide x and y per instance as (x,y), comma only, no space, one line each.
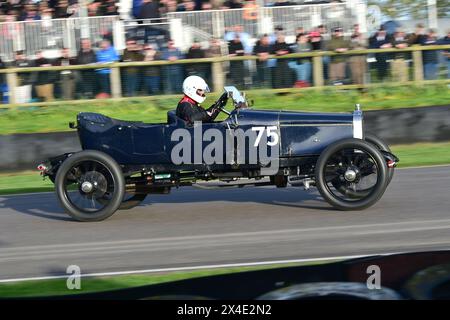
(408,125)
(25,151)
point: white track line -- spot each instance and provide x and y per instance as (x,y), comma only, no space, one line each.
(214,266)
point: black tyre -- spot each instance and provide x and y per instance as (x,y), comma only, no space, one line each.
(90,185)
(381,145)
(358,166)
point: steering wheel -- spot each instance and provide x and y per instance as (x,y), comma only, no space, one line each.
(222,102)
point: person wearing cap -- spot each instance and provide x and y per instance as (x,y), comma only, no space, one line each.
(262,51)
(237,68)
(430,57)
(25,80)
(357,62)
(338,63)
(281,72)
(302,66)
(399,66)
(132,53)
(381,40)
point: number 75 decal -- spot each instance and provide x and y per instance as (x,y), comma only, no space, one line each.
(271,132)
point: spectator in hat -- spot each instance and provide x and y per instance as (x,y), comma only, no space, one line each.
(262,50)
(25,79)
(399,66)
(132,53)
(380,40)
(67,78)
(235,48)
(357,63)
(281,72)
(338,63)
(302,66)
(86,56)
(430,57)
(45,83)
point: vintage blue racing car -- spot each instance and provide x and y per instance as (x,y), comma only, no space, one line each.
(121,162)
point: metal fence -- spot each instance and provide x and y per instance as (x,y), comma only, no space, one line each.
(216,22)
(314,70)
(32,36)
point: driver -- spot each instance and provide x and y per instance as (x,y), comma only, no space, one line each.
(189,109)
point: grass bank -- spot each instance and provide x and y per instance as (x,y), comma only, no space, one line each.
(56,117)
(419,154)
(58,287)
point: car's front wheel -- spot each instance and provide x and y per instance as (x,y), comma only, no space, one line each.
(381,145)
(356,165)
(90,185)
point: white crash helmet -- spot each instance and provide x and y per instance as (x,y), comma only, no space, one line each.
(192,84)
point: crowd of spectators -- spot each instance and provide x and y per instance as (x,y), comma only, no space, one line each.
(25,10)
(29,10)
(152,9)
(338,69)
(266,71)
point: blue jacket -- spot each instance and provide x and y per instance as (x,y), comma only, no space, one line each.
(136,8)
(104,56)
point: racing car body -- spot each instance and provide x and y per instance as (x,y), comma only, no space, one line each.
(122,161)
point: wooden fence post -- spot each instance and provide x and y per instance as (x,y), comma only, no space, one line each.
(318,71)
(116,86)
(218,76)
(418,65)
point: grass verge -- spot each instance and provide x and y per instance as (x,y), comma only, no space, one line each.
(419,154)
(35,288)
(154,109)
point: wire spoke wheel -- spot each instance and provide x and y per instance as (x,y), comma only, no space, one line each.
(90,185)
(351,174)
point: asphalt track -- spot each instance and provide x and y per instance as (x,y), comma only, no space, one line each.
(193,227)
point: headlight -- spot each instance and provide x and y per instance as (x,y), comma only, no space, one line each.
(358,123)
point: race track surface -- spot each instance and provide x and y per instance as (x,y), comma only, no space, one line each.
(193,227)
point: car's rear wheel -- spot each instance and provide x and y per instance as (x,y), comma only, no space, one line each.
(356,165)
(90,185)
